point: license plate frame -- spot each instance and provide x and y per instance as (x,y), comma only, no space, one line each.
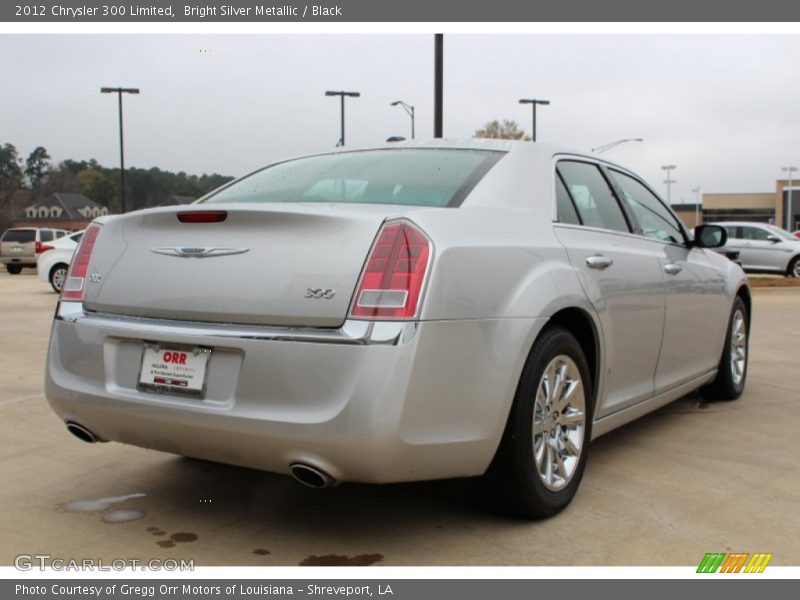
(182,372)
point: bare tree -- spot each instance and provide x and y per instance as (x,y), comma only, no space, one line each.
(505,130)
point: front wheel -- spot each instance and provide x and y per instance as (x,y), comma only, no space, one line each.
(793,269)
(732,373)
(14,269)
(540,461)
(58,275)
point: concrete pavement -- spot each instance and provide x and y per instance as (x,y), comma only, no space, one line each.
(689,479)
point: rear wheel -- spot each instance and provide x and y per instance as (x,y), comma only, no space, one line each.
(732,374)
(14,269)
(540,461)
(794,267)
(57,276)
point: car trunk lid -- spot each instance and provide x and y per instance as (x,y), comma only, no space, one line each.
(277,264)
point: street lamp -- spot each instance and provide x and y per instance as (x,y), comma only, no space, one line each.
(603,148)
(342,96)
(788,217)
(669,181)
(410,110)
(119,91)
(533,102)
(697,206)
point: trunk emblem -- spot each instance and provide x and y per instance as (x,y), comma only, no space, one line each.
(197,252)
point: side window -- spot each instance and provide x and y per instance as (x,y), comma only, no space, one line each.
(754,233)
(77,237)
(734,232)
(594,200)
(46,235)
(566,211)
(655,219)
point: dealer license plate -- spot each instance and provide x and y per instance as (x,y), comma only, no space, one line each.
(174,369)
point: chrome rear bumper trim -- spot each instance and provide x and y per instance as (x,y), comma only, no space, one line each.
(354,332)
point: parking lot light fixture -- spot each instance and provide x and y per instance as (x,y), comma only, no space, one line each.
(342,95)
(119,91)
(533,102)
(604,147)
(669,181)
(409,110)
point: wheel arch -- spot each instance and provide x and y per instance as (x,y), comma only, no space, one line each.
(581,325)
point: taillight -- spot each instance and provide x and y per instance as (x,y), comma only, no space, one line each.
(40,247)
(394,275)
(76,275)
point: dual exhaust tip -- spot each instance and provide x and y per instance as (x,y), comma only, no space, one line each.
(305,474)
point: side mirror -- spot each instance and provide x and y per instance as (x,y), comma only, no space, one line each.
(709,236)
(773,239)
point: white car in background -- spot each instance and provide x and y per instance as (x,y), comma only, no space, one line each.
(53,261)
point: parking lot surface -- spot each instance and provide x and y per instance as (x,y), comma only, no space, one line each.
(688,479)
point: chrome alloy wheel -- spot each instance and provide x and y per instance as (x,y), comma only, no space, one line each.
(796,269)
(559,422)
(59,275)
(738,347)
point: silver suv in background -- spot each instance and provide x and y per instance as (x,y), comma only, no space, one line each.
(19,247)
(764,248)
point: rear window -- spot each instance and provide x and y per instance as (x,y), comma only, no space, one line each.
(413,176)
(46,235)
(19,235)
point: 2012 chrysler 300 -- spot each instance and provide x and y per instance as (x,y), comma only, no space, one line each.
(419,311)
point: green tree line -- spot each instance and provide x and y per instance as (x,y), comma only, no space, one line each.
(40,177)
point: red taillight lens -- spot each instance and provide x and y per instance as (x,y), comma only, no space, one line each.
(40,247)
(203,216)
(76,275)
(394,275)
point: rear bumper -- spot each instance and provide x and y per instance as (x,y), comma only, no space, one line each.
(25,261)
(370,402)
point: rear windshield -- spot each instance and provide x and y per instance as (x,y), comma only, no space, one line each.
(412,176)
(19,235)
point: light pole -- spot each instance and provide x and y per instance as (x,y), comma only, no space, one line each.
(788,218)
(697,206)
(669,181)
(410,110)
(438,85)
(533,102)
(604,147)
(342,97)
(119,91)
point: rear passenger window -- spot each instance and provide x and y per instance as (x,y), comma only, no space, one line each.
(45,236)
(566,210)
(593,198)
(656,221)
(734,232)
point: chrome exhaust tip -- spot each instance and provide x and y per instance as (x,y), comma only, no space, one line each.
(82,433)
(311,476)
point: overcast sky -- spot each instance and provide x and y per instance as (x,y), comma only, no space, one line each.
(723,108)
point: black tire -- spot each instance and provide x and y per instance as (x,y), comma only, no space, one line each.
(729,383)
(14,269)
(513,482)
(61,269)
(792,270)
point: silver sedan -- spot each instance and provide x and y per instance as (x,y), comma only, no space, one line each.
(413,312)
(764,248)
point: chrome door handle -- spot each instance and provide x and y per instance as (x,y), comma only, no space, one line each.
(673,268)
(598,261)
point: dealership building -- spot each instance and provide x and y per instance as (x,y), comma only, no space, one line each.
(764,207)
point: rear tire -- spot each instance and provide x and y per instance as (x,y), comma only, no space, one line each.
(58,274)
(732,374)
(793,270)
(14,269)
(541,458)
